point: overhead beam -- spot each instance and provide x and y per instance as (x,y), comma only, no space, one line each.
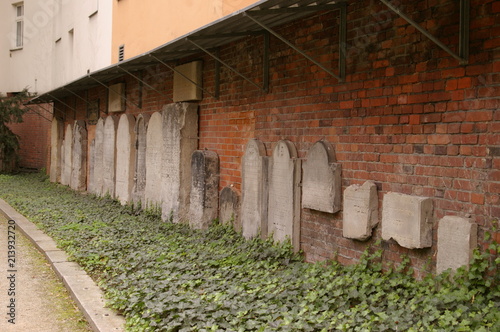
(462,57)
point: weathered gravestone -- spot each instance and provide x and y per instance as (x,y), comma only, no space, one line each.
(154,148)
(125,158)
(229,207)
(254,190)
(109,157)
(91,177)
(68,156)
(98,164)
(56,137)
(141,127)
(204,196)
(407,219)
(79,162)
(360,210)
(63,156)
(321,183)
(284,194)
(180,140)
(457,238)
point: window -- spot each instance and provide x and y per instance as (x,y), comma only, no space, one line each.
(19,7)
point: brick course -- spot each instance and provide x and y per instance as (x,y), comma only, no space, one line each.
(34,137)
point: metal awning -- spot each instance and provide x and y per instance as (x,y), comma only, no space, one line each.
(257,19)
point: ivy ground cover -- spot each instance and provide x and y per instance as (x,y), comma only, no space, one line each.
(167,277)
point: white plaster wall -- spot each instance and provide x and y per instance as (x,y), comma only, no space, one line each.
(44,64)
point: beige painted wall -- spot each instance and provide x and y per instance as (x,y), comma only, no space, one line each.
(144,25)
(63,40)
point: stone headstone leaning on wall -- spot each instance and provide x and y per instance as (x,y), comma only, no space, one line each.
(456,240)
(140,129)
(79,159)
(321,182)
(254,190)
(125,158)
(109,156)
(68,156)
(204,197)
(284,194)
(360,211)
(180,140)
(229,207)
(91,176)
(98,163)
(154,146)
(56,136)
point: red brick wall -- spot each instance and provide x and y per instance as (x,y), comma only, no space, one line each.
(34,137)
(408,116)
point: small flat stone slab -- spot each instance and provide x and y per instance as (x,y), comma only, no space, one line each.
(408,220)
(457,238)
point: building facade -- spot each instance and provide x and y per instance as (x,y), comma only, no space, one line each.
(404,100)
(47,44)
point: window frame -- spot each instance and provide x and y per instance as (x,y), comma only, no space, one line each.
(18,25)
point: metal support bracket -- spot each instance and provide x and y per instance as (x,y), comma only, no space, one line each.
(265,73)
(217,74)
(463,44)
(342,40)
(109,89)
(224,63)
(463,55)
(342,43)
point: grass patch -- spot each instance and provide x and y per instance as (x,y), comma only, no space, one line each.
(167,277)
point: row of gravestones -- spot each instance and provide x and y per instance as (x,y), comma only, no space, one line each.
(153,160)
(69,154)
(273,192)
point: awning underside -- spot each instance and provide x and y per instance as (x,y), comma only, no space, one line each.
(258,19)
(231,28)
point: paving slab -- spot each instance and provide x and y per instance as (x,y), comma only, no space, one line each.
(87,295)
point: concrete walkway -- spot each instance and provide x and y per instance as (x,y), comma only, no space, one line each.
(82,288)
